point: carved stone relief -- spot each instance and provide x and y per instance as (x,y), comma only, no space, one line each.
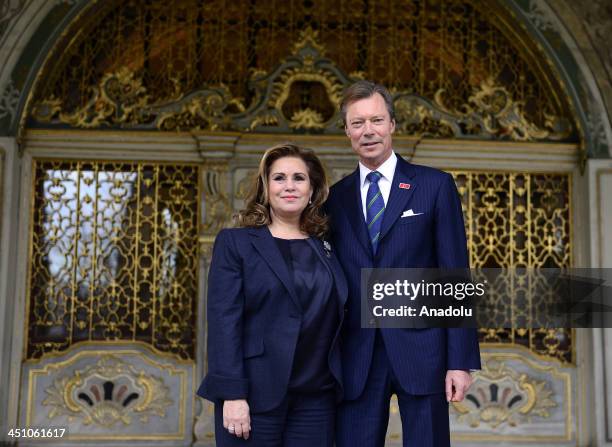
(9,99)
(519,396)
(108,392)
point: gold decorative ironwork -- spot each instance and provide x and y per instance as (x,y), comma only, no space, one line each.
(459,49)
(276,107)
(416,116)
(306,119)
(119,99)
(491,110)
(114,255)
(108,392)
(502,396)
(204,110)
(519,220)
(309,38)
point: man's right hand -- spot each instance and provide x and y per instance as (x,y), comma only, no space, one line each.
(236,418)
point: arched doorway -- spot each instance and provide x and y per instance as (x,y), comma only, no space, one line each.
(162,100)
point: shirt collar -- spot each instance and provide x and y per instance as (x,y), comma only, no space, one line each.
(387,169)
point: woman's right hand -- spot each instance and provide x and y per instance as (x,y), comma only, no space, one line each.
(236,418)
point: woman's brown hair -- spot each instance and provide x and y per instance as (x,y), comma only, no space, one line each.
(257,211)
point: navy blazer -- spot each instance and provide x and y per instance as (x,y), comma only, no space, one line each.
(435,238)
(254,318)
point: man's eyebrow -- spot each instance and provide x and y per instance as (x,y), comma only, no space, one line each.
(361,118)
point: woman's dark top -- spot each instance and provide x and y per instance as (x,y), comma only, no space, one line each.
(314,287)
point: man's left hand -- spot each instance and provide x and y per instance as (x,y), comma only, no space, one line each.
(457,383)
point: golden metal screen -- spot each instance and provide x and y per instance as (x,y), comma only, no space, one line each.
(519,220)
(427,47)
(114,255)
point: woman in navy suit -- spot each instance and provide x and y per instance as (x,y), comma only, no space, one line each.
(276,297)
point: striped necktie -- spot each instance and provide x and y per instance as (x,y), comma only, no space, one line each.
(375,208)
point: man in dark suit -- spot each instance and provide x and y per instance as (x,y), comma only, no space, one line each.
(393,214)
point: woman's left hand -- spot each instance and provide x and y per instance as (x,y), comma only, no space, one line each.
(236,418)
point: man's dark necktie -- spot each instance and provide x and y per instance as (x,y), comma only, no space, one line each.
(375,208)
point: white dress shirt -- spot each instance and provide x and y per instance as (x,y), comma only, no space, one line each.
(387,169)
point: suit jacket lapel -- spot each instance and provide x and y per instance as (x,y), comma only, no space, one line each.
(333,267)
(354,211)
(398,197)
(266,246)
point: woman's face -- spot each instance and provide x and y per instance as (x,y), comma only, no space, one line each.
(289,188)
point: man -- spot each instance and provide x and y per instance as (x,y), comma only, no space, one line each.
(372,227)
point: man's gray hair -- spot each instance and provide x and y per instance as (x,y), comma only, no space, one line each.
(362,90)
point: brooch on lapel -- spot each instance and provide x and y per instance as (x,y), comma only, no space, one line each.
(327,248)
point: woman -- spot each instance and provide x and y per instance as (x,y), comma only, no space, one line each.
(276,299)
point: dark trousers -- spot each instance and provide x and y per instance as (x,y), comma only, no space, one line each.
(363,422)
(301,420)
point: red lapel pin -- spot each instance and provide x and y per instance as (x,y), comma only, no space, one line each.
(404,185)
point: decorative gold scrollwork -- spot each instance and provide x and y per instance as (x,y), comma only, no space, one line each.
(206,110)
(303,93)
(306,119)
(415,116)
(176,48)
(120,98)
(491,111)
(307,68)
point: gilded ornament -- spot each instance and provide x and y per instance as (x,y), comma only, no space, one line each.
(263,119)
(204,110)
(117,99)
(308,38)
(492,112)
(142,210)
(414,116)
(306,119)
(502,396)
(45,110)
(182,54)
(120,99)
(108,392)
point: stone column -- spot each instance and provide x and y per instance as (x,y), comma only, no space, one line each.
(216,206)
(600,200)
(9,195)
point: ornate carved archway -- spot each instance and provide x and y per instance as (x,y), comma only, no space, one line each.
(462,77)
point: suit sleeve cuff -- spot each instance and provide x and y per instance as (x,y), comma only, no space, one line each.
(217,387)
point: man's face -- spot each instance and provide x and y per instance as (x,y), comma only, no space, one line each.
(369,127)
